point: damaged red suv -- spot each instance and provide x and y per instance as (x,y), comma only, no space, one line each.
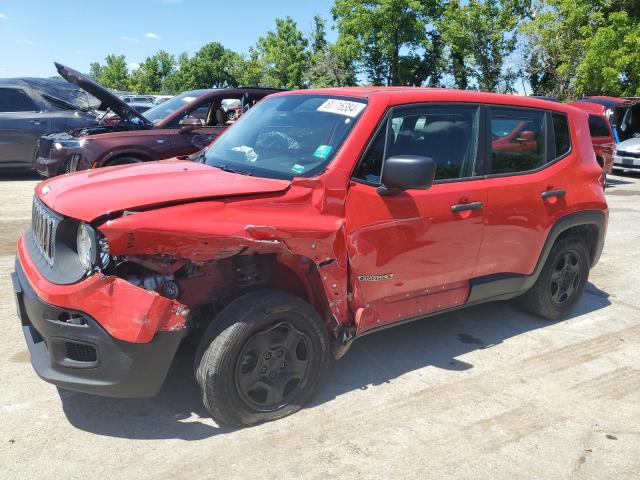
(319,217)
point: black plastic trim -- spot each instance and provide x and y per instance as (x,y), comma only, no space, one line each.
(121,369)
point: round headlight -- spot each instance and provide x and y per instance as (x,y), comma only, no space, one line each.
(86,246)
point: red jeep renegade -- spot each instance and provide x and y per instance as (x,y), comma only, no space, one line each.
(319,217)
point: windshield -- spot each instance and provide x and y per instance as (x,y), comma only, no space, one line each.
(286,136)
(163,110)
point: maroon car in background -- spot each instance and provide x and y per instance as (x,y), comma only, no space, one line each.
(180,126)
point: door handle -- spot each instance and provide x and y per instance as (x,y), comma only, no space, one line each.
(461,207)
(34,122)
(553,193)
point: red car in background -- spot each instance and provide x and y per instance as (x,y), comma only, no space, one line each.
(601,134)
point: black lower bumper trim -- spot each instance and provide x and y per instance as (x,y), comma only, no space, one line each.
(71,350)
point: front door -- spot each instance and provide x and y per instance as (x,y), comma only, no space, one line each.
(414,252)
(21,125)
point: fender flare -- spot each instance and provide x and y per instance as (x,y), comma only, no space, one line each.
(143,154)
(503,286)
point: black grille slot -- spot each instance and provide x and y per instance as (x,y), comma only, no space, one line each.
(43,224)
(622,153)
(81,352)
(44,146)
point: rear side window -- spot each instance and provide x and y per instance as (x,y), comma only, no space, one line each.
(16,100)
(518,140)
(598,127)
(446,133)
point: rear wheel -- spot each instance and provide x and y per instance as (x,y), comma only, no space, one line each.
(262,358)
(562,280)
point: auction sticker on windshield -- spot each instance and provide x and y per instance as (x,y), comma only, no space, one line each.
(342,107)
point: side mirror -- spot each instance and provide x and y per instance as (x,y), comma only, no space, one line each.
(526,136)
(406,172)
(190,123)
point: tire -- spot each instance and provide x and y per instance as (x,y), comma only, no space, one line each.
(562,280)
(262,358)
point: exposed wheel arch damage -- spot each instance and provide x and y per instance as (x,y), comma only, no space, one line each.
(209,265)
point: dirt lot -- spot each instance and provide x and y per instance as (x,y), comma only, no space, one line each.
(487,392)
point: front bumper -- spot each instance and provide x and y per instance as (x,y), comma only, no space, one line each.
(626,162)
(70,349)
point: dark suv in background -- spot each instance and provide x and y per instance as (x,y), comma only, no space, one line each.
(180,126)
(31,107)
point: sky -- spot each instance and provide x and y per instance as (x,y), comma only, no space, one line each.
(35,33)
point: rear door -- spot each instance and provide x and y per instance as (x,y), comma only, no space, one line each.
(518,216)
(414,252)
(21,125)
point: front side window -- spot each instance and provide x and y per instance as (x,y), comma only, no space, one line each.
(16,100)
(286,136)
(518,140)
(446,133)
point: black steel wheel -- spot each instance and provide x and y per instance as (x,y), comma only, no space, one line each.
(272,367)
(565,277)
(562,280)
(262,358)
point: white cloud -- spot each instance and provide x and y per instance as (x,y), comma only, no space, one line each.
(25,42)
(133,66)
(3,16)
(129,39)
(153,36)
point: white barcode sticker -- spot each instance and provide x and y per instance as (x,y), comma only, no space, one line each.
(342,107)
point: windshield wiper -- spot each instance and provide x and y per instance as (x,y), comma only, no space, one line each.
(232,170)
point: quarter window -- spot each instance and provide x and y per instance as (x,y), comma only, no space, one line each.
(517,140)
(448,134)
(16,100)
(561,134)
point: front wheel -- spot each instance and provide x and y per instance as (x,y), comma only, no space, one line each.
(123,161)
(562,280)
(262,358)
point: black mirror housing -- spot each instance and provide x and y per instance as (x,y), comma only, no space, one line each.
(406,172)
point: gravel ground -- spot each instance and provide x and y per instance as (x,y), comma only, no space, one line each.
(487,392)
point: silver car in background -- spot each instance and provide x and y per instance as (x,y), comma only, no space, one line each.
(626,155)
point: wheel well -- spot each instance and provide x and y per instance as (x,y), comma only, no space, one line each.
(588,232)
(137,156)
(600,160)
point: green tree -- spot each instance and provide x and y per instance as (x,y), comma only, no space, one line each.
(619,43)
(211,66)
(319,37)
(253,70)
(95,70)
(150,76)
(285,55)
(481,36)
(331,64)
(390,37)
(114,73)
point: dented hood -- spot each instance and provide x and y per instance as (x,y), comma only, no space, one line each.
(90,194)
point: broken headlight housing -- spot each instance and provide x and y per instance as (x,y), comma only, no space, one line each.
(92,249)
